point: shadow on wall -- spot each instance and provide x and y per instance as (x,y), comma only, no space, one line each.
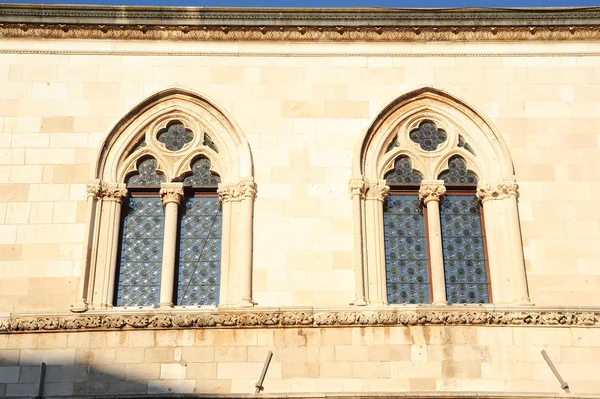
(23,379)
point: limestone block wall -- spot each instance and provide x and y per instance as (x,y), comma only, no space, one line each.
(304,115)
(306,360)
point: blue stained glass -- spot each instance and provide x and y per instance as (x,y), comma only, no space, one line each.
(457,173)
(141,253)
(146,175)
(428,136)
(175,136)
(200,252)
(463,248)
(406,267)
(201,175)
(402,173)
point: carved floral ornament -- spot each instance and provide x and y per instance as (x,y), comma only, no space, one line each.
(301,318)
(300,33)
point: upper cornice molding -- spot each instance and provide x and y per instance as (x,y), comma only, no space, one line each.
(294,24)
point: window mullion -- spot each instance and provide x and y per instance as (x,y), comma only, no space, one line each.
(172,195)
(430,193)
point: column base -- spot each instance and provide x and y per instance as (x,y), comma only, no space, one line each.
(80,306)
(165,305)
(360,302)
(440,303)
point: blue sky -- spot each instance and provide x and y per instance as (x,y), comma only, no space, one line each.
(333,3)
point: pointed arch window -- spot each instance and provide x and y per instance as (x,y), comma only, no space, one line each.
(427,174)
(170,210)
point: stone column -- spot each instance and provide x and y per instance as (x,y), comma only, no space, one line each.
(112,198)
(504,242)
(247,196)
(171,195)
(377,193)
(93,190)
(430,193)
(358,190)
(225,195)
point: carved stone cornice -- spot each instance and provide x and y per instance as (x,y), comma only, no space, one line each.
(358,187)
(378,191)
(497,190)
(237,192)
(171,192)
(302,33)
(300,318)
(431,190)
(113,192)
(93,189)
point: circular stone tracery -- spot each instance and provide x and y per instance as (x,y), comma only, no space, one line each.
(428,136)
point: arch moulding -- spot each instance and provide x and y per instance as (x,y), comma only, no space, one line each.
(230,157)
(486,155)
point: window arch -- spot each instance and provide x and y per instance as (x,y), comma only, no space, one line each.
(426,174)
(170,209)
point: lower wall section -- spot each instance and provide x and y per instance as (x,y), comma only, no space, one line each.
(305,360)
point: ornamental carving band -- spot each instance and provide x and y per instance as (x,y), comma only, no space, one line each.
(171,192)
(301,318)
(93,189)
(431,191)
(299,33)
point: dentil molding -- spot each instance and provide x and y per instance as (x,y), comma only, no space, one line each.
(280,318)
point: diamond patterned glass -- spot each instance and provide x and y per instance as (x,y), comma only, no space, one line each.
(403,173)
(464,256)
(175,136)
(200,252)
(457,173)
(201,175)
(406,267)
(209,143)
(141,253)
(428,136)
(146,175)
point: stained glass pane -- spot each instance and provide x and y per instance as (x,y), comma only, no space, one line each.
(200,252)
(428,136)
(146,175)
(175,136)
(457,173)
(405,250)
(403,173)
(464,256)
(141,253)
(392,145)
(201,175)
(209,143)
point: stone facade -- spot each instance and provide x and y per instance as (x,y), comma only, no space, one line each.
(302,109)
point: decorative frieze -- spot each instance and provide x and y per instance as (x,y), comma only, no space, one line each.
(431,190)
(300,33)
(300,318)
(497,190)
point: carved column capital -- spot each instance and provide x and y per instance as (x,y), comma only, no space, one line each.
(113,192)
(93,189)
(171,192)
(378,191)
(487,191)
(431,190)
(358,187)
(237,192)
